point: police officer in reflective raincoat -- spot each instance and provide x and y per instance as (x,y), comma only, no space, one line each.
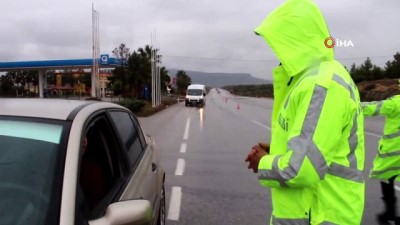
(314,164)
(386,165)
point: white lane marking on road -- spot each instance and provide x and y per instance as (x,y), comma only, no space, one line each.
(258,123)
(183,148)
(175,203)
(186,134)
(375,135)
(180,167)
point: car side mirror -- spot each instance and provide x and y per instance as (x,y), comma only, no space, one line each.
(204,94)
(132,212)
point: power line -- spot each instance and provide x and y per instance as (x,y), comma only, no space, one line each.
(261,60)
(373,57)
(220,59)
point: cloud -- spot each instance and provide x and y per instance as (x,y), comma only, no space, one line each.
(217,35)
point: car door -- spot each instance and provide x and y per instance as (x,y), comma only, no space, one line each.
(142,169)
(103,170)
(155,176)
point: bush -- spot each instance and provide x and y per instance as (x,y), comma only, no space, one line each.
(369,87)
(134,105)
(167,101)
(148,110)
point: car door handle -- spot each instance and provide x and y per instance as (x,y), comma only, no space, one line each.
(153,166)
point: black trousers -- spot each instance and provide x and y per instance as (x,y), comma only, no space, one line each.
(389,197)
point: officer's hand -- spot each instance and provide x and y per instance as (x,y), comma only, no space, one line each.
(250,155)
(264,146)
(254,157)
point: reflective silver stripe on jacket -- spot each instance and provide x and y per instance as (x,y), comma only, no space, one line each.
(389,154)
(340,81)
(379,172)
(302,145)
(390,136)
(349,173)
(311,73)
(275,174)
(282,221)
(378,108)
(328,223)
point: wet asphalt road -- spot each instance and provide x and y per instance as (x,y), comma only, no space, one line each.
(203,149)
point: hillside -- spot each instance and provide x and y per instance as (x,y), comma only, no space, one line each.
(258,90)
(369,90)
(220,79)
(378,89)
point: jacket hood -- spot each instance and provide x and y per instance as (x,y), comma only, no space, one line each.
(297,33)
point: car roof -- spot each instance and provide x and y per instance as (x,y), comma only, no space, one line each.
(59,109)
(196,86)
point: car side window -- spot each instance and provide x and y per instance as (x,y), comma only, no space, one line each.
(102,170)
(140,132)
(129,134)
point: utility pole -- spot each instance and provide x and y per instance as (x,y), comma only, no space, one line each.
(159,95)
(96,50)
(155,72)
(153,82)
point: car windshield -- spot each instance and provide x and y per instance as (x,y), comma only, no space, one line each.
(29,173)
(195,92)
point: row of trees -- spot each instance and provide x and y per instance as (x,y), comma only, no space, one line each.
(13,83)
(369,71)
(182,82)
(134,75)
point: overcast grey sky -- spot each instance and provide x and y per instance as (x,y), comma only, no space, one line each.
(205,35)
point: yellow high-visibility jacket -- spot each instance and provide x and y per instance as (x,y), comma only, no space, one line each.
(387,162)
(317,152)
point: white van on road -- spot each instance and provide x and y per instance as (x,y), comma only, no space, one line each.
(196,95)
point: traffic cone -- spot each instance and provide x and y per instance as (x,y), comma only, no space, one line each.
(238,106)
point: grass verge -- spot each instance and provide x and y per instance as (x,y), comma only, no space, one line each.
(149,110)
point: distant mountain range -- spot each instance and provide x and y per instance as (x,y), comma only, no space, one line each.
(220,79)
